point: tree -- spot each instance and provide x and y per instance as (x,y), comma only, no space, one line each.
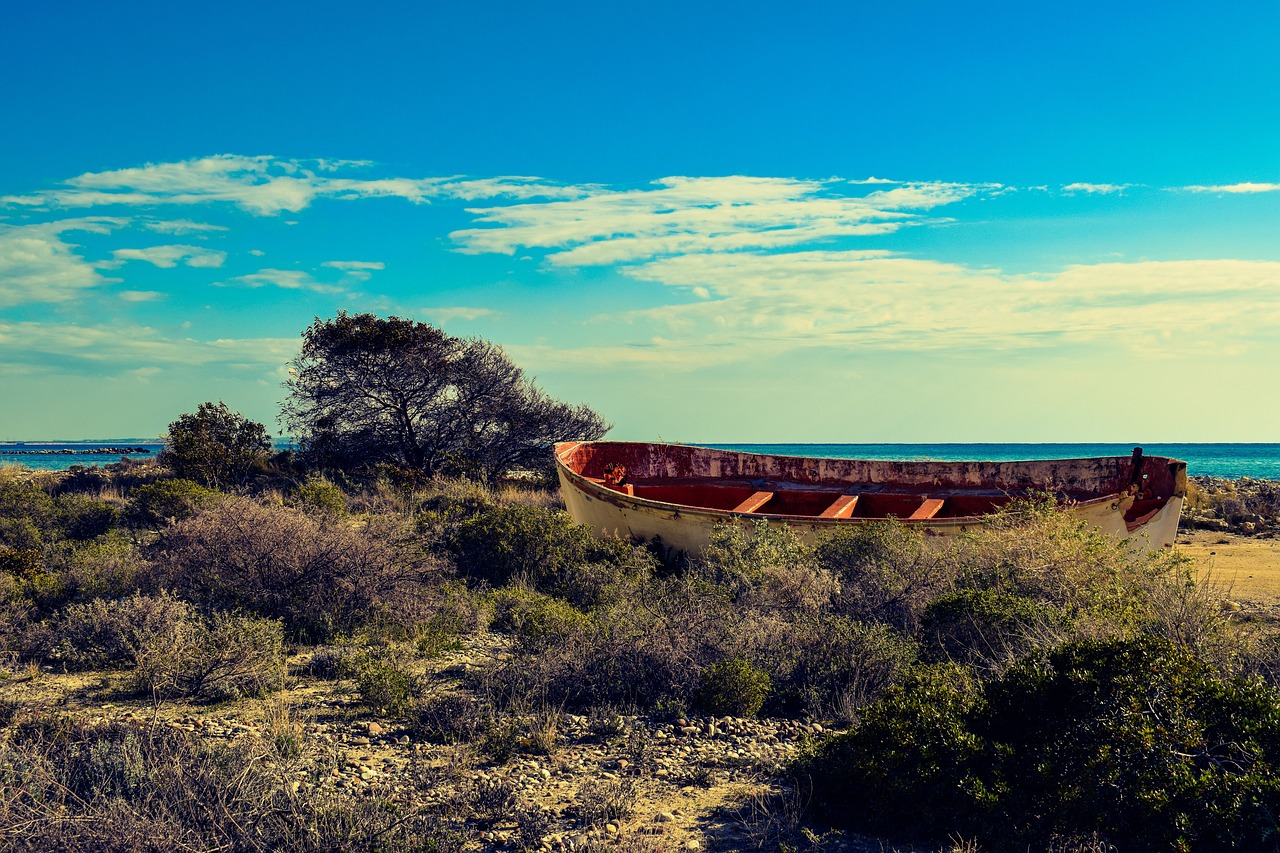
(215,446)
(366,391)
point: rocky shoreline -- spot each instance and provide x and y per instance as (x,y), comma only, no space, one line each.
(1247,506)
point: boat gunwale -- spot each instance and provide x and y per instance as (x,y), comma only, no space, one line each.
(622,499)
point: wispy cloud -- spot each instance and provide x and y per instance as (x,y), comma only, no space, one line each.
(1247,187)
(1095,189)
(98,348)
(170,256)
(693,215)
(764,304)
(180,227)
(140,295)
(266,185)
(355,265)
(286,279)
(37,265)
(457,312)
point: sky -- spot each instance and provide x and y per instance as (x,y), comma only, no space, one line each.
(718,222)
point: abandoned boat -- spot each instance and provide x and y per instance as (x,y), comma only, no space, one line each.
(679,493)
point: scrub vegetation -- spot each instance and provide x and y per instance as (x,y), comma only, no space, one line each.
(1032,685)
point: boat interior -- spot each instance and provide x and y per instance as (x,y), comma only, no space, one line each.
(787,487)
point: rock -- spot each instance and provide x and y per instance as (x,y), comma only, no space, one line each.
(374,729)
(664,817)
(693,844)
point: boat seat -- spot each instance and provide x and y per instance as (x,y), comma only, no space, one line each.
(754,502)
(843,507)
(929,508)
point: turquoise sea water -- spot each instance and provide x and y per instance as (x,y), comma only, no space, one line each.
(1261,461)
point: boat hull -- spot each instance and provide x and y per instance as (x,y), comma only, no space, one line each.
(1104,492)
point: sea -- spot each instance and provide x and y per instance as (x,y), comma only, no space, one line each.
(1229,461)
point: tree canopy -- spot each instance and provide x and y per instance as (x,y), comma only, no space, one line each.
(215,446)
(366,391)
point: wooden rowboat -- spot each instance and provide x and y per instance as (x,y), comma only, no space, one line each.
(679,493)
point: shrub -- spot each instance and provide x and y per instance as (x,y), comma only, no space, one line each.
(547,551)
(215,446)
(83,517)
(843,664)
(27,514)
(385,684)
(109,567)
(886,570)
(166,501)
(172,650)
(536,620)
(321,496)
(318,575)
(104,634)
(733,687)
(1137,743)
(987,629)
(452,718)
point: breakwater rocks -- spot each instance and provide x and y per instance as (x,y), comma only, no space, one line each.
(1247,506)
(74,451)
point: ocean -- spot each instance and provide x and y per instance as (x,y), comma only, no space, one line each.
(1232,461)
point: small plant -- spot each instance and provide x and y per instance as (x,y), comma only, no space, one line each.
(157,504)
(452,718)
(385,685)
(322,497)
(533,822)
(492,799)
(601,801)
(733,687)
(501,739)
(605,723)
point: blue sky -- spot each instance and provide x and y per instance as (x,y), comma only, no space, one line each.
(718,222)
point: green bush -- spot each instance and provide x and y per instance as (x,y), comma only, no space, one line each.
(82,517)
(537,621)
(988,629)
(164,501)
(215,446)
(887,572)
(385,684)
(841,665)
(1137,743)
(28,515)
(733,687)
(546,550)
(321,496)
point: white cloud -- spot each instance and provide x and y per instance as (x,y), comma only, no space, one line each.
(265,185)
(129,347)
(457,312)
(140,295)
(1247,187)
(872,179)
(170,256)
(355,265)
(764,305)
(1095,189)
(37,265)
(691,215)
(179,227)
(286,279)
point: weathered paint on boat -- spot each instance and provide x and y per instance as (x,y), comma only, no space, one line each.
(679,493)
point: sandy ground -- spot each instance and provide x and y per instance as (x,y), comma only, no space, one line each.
(1249,567)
